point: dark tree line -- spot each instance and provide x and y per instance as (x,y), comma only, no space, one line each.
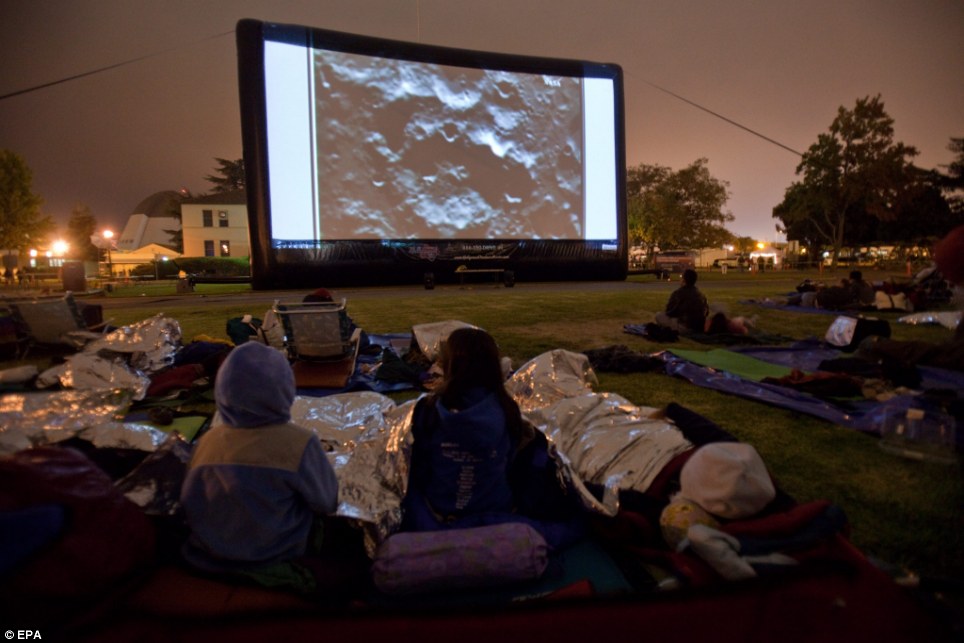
(859,187)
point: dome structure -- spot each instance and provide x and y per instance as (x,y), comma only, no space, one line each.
(160,204)
(154,220)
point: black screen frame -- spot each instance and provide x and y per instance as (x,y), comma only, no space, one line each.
(392,261)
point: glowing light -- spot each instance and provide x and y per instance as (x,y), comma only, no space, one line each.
(760,245)
(60,247)
(108,234)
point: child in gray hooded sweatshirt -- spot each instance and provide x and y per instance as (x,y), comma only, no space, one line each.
(256,481)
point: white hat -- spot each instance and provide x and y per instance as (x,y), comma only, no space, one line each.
(727,479)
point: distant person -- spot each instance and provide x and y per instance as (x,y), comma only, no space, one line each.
(322,295)
(719,324)
(839,297)
(257,483)
(949,354)
(862,292)
(686,310)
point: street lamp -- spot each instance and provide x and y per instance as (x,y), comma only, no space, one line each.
(108,235)
(158,258)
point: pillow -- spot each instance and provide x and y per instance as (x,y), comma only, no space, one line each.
(895,301)
(425,561)
(847,332)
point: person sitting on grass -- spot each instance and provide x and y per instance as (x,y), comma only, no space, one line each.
(686,310)
(464,435)
(862,292)
(948,354)
(257,485)
(473,456)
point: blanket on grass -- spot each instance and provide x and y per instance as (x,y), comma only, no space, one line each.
(128,593)
(777,305)
(742,371)
(365,376)
(755,336)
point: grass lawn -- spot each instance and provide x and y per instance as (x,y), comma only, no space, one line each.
(901,511)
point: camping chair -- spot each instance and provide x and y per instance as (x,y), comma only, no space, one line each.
(52,322)
(319,341)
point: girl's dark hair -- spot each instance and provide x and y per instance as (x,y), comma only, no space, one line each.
(718,324)
(470,358)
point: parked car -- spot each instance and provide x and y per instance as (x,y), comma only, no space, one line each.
(731,262)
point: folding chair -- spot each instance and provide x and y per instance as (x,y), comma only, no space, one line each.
(52,322)
(320,342)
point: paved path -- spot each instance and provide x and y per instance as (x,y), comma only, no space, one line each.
(155,303)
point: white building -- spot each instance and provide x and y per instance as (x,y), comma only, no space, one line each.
(216,225)
(123,262)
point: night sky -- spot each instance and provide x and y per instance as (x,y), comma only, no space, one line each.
(779,68)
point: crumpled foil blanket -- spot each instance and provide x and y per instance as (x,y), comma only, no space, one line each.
(123,358)
(599,438)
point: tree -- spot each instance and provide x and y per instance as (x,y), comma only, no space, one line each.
(682,209)
(81,226)
(21,224)
(177,236)
(953,182)
(744,245)
(923,213)
(639,180)
(229,177)
(799,210)
(855,170)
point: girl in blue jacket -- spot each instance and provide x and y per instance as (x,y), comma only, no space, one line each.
(474,460)
(464,436)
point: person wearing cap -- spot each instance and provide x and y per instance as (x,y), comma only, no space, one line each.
(256,482)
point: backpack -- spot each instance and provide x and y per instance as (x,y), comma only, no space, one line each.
(659,333)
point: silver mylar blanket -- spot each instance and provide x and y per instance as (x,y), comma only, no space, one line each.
(100,383)
(122,358)
(598,438)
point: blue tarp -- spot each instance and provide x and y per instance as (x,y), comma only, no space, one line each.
(863,415)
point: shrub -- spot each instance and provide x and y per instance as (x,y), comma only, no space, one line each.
(207,266)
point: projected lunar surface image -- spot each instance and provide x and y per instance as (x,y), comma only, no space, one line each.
(418,151)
